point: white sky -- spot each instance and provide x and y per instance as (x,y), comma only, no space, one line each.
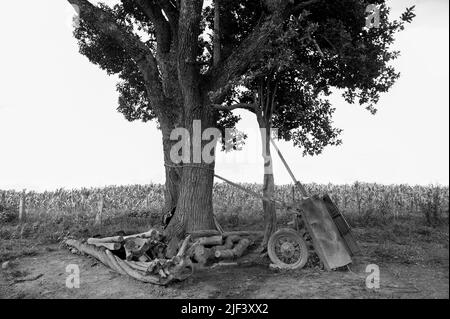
(59,126)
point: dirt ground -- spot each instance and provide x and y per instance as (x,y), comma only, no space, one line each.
(44,276)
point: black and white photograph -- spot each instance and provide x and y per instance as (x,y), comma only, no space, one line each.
(234,155)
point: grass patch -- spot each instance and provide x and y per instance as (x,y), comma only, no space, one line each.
(13,249)
(405,240)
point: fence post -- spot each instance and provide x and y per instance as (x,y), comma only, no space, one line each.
(22,208)
(98,216)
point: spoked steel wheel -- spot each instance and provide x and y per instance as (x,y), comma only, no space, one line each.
(287,249)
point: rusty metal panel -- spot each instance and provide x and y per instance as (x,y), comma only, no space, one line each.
(342,225)
(327,240)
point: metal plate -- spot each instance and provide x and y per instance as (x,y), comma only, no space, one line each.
(342,225)
(328,243)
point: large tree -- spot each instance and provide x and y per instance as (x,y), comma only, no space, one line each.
(169,72)
(328,45)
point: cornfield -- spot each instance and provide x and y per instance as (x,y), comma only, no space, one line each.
(116,199)
(358,198)
(361,199)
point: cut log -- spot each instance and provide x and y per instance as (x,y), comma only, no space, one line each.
(150,234)
(175,269)
(144,258)
(241,246)
(149,266)
(157,251)
(223,247)
(236,252)
(115,239)
(162,273)
(243,233)
(137,275)
(97,252)
(222,264)
(233,239)
(84,248)
(211,241)
(203,254)
(229,243)
(110,246)
(144,264)
(224,254)
(114,262)
(204,233)
(138,267)
(182,270)
(135,247)
(184,246)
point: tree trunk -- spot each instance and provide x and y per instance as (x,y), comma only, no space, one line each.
(173,176)
(270,217)
(194,209)
(194,206)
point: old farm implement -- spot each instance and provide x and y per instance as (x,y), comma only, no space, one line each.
(317,227)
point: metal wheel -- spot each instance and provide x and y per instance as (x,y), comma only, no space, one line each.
(287,249)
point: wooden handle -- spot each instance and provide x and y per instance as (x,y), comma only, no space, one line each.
(296,182)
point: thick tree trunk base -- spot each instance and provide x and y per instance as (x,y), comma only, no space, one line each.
(194,208)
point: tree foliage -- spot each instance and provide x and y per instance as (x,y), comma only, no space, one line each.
(314,47)
(324,48)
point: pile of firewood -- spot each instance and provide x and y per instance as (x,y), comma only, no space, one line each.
(210,246)
(143,256)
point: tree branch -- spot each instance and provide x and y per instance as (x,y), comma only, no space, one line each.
(304,4)
(217,40)
(317,46)
(243,106)
(238,62)
(171,11)
(106,23)
(162,27)
(250,48)
(273,101)
(188,68)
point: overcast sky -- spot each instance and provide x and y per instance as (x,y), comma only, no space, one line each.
(59,126)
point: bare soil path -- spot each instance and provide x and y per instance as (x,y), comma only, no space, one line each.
(44,276)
